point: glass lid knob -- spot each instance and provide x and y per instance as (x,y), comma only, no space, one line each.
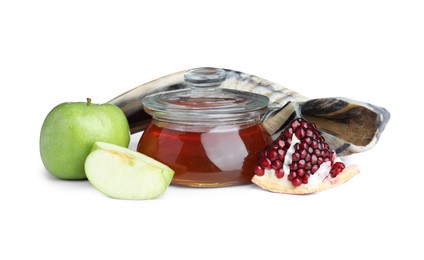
(205,77)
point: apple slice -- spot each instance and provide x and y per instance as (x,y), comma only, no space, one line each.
(125,174)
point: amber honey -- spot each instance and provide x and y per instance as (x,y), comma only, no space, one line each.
(218,156)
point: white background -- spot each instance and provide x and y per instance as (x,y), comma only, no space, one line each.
(57,51)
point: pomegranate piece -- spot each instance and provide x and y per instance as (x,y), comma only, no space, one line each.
(300,162)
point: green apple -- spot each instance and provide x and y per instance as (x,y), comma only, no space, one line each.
(70,130)
(126,174)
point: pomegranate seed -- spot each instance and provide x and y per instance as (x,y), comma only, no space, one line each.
(337,168)
(305,178)
(314,168)
(295,124)
(273,155)
(314,159)
(281,154)
(281,143)
(279,173)
(266,163)
(296,181)
(303,124)
(301,163)
(324,153)
(304,146)
(288,133)
(300,133)
(259,170)
(308,157)
(277,164)
(309,133)
(295,157)
(301,172)
(288,143)
(308,166)
(303,154)
(308,140)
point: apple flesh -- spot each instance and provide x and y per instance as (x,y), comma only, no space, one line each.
(70,130)
(123,173)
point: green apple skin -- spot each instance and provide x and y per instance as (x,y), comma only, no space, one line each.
(70,130)
(121,173)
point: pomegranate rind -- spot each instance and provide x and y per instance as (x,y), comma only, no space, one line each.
(348,173)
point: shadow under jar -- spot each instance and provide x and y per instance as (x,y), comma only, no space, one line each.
(210,136)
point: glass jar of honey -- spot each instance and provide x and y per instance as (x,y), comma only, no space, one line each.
(210,136)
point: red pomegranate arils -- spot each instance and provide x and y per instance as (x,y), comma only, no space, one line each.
(279,173)
(305,178)
(266,163)
(314,168)
(296,181)
(301,172)
(273,155)
(337,168)
(300,133)
(281,154)
(308,152)
(295,157)
(277,164)
(259,170)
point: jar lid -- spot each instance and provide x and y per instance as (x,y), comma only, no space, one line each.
(205,100)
